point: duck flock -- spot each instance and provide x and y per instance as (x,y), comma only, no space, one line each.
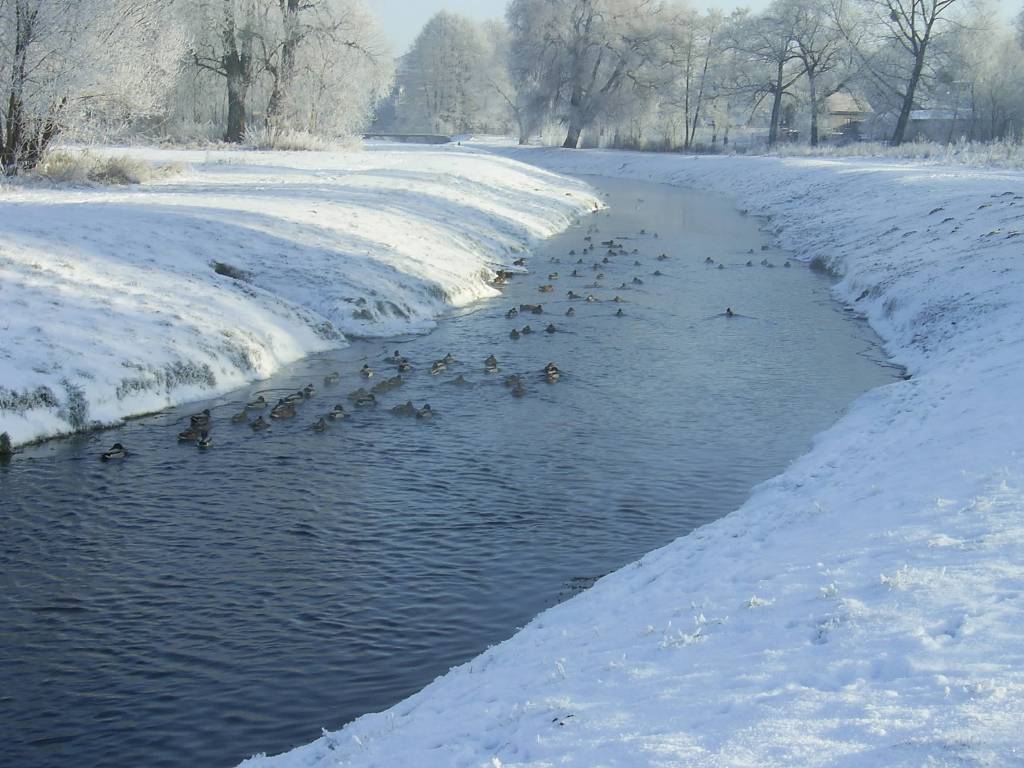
(588,267)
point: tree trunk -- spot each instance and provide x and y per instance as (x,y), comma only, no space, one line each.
(773,129)
(812,87)
(572,138)
(900,133)
(285,69)
(15,128)
(237,88)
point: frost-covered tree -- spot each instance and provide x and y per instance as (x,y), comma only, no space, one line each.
(66,65)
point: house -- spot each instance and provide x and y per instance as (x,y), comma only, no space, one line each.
(845,115)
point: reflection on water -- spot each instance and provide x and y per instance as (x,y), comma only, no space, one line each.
(188,607)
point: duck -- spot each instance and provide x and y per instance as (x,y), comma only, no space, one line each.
(449,359)
(572,251)
(520,262)
(189,435)
(576,273)
(658,272)
(491,361)
(283,410)
(600,276)
(320,425)
(662,257)
(553,276)
(308,391)
(259,424)
(513,334)
(426,412)
(573,296)
(551,328)
(258,404)
(709,260)
(637,263)
(295,398)
(578,261)
(337,413)
(366,401)
(527,329)
(356,394)
(518,390)
(405,366)
(437,367)
(406,409)
(571,311)
(786,265)
(512,313)
(204,441)
(546,288)
(620,313)
(750,263)
(551,372)
(366,371)
(200,419)
(240,418)
(332,378)
(396,356)
(606,260)
(729,312)
(617,299)
(511,380)
(764,262)
(116,452)
(460,381)
(637,281)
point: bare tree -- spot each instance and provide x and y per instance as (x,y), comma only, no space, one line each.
(821,49)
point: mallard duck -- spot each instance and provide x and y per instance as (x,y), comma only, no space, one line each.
(320,425)
(606,260)
(512,313)
(570,312)
(201,419)
(786,265)
(308,391)
(591,298)
(511,380)
(283,410)
(708,260)
(332,378)
(116,451)
(513,334)
(257,404)
(553,276)
(620,313)
(295,398)
(551,372)
(405,366)
(658,272)
(240,418)
(460,381)
(189,435)
(527,329)
(520,262)
(426,412)
(572,251)
(551,328)
(637,263)
(366,371)
(448,359)
(366,401)
(406,409)
(518,390)
(204,441)
(617,299)
(662,257)
(750,263)
(573,296)
(491,361)
(437,367)
(337,412)
(721,266)
(637,281)
(356,394)
(259,424)
(729,312)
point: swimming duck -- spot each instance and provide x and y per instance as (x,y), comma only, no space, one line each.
(553,276)
(551,328)
(721,266)
(637,281)
(786,265)
(546,288)
(575,273)
(605,260)
(709,260)
(204,441)
(620,313)
(259,424)
(636,264)
(337,413)
(320,425)
(332,378)
(240,418)
(308,391)
(570,312)
(590,298)
(189,435)
(437,367)
(520,262)
(460,381)
(518,390)
(257,404)
(366,401)
(396,356)
(116,451)
(366,371)
(449,359)
(358,393)
(573,296)
(511,380)
(527,329)
(407,409)
(295,398)
(512,313)
(572,252)
(662,257)
(551,372)
(201,419)
(600,276)
(513,334)
(750,263)
(283,410)
(623,286)
(426,412)
(764,262)
(405,366)
(729,312)
(491,361)
(770,265)
(578,261)
(617,299)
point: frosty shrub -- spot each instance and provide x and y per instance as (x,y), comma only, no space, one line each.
(287,140)
(69,167)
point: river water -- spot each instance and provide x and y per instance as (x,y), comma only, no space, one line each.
(188,607)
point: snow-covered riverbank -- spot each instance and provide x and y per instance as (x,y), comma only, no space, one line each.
(118,301)
(862,609)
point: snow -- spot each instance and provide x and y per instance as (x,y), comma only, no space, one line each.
(861,609)
(112,308)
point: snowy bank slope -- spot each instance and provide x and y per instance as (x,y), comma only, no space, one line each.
(110,304)
(865,608)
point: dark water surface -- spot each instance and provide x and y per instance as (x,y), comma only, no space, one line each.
(192,608)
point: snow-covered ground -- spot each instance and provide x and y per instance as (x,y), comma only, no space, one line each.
(111,304)
(865,608)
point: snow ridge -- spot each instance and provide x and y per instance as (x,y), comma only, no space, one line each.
(861,609)
(119,302)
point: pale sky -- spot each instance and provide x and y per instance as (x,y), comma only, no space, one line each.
(403,19)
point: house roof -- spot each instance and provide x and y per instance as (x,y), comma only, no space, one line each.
(845,103)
